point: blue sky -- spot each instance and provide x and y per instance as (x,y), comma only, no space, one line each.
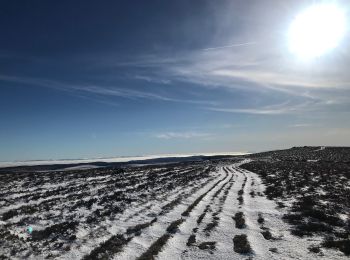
(85,79)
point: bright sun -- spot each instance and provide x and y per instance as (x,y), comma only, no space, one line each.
(316,30)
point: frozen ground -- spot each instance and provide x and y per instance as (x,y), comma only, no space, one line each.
(177,211)
(313,185)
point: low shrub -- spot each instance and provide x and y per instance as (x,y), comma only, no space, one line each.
(106,249)
(174,226)
(267,234)
(210,226)
(261,219)
(137,228)
(239,219)
(343,245)
(314,249)
(191,240)
(207,245)
(64,229)
(241,244)
(200,218)
(308,228)
(155,248)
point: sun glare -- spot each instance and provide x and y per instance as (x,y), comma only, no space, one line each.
(317,30)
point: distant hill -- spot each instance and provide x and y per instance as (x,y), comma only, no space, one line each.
(163,160)
(305,153)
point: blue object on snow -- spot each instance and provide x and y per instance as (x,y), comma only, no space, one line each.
(30,230)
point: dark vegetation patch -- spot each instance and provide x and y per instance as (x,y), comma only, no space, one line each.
(216,194)
(280,204)
(267,234)
(84,203)
(240,199)
(314,249)
(207,246)
(200,198)
(261,219)
(201,217)
(215,216)
(273,250)
(252,194)
(226,170)
(210,226)
(241,192)
(239,219)
(64,230)
(168,207)
(191,240)
(241,244)
(107,249)
(24,210)
(138,228)
(7,239)
(309,228)
(342,244)
(174,226)
(155,248)
(317,180)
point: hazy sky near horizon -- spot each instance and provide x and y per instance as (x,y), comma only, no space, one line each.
(87,78)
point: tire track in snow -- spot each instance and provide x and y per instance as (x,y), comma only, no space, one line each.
(282,246)
(120,231)
(252,210)
(155,234)
(218,206)
(175,247)
(224,232)
(123,235)
(168,201)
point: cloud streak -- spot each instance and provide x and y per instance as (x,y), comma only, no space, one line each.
(182,135)
(259,63)
(229,46)
(83,90)
(279,109)
(134,94)
(300,125)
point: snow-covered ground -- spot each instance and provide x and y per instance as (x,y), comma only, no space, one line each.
(154,212)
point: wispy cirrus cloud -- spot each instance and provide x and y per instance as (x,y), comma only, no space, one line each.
(229,46)
(257,62)
(106,91)
(251,111)
(182,135)
(254,58)
(276,109)
(152,79)
(300,125)
(256,69)
(135,94)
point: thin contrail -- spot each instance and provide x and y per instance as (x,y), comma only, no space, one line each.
(229,46)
